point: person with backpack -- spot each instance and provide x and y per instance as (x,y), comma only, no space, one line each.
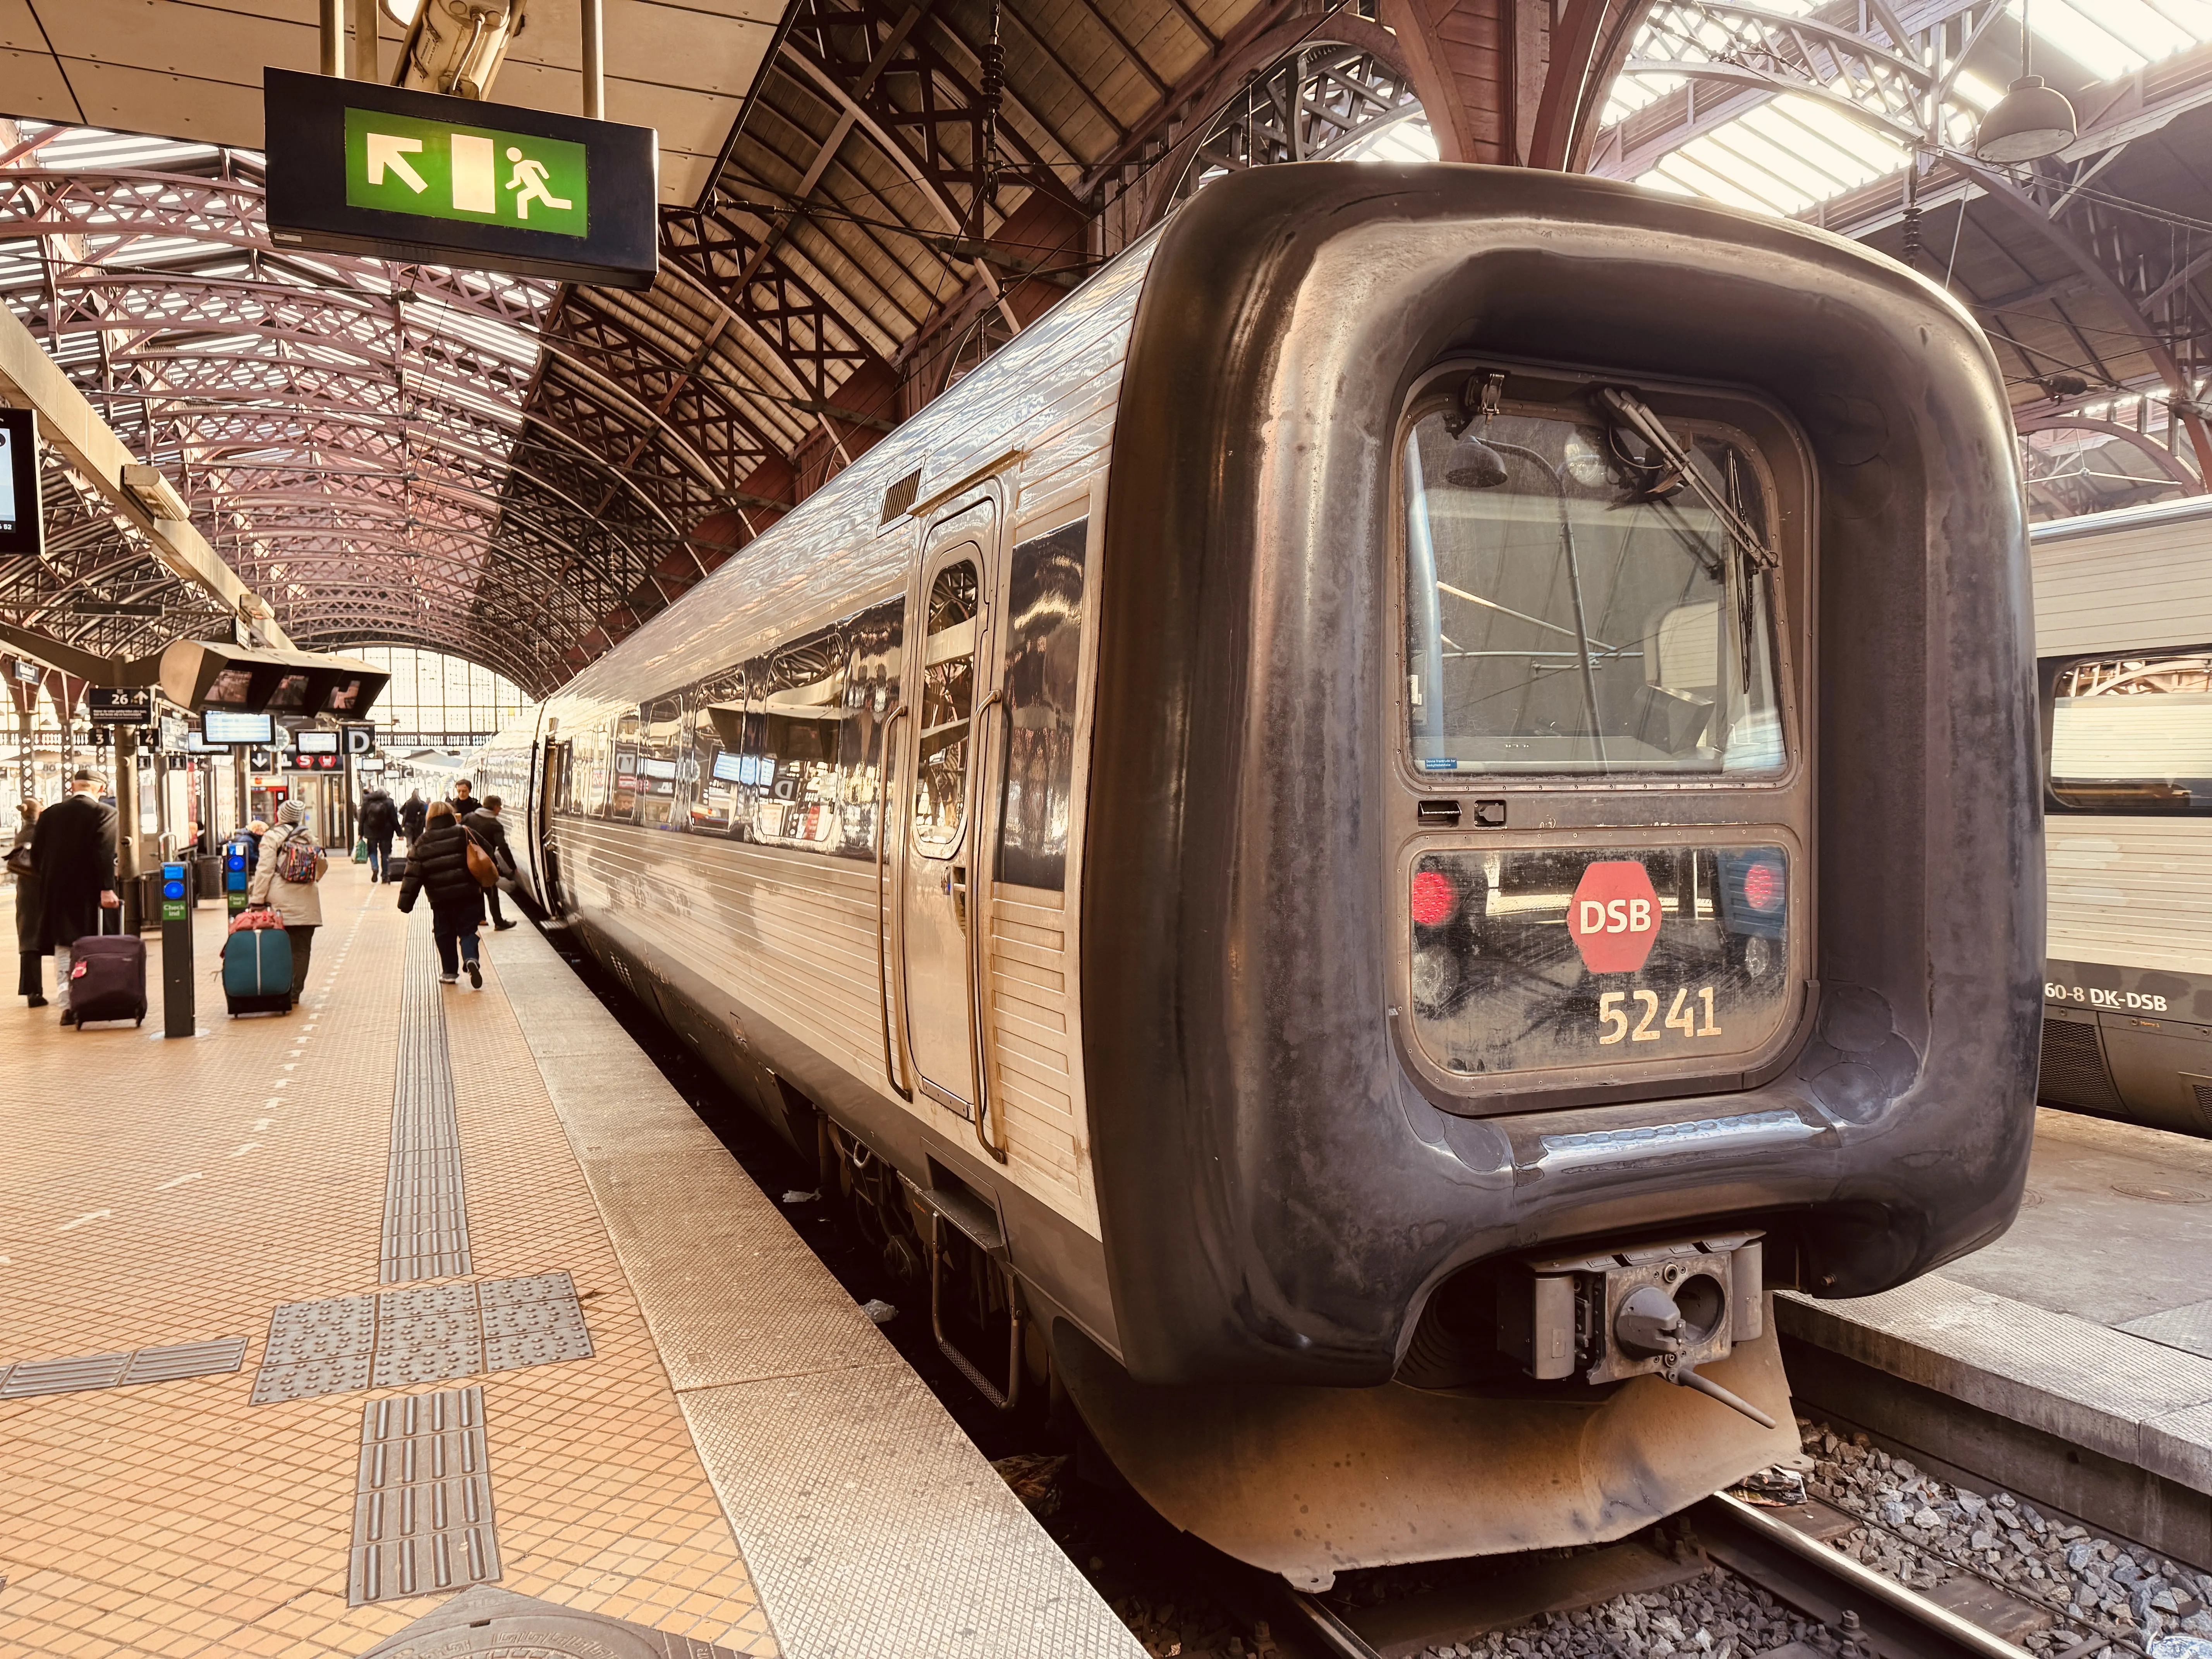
(412,817)
(379,822)
(438,864)
(291,865)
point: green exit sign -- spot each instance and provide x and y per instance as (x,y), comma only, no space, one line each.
(471,175)
(358,167)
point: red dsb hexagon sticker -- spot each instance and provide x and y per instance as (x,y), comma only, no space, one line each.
(1614,916)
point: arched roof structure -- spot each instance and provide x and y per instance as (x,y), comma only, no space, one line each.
(519,472)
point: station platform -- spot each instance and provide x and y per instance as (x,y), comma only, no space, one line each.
(428,1319)
(2071,1360)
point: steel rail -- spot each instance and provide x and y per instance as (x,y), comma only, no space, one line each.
(1892,1621)
(1823,1581)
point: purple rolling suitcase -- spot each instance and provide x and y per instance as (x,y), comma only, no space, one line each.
(108,978)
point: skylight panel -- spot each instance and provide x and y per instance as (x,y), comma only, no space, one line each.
(1744,157)
(1704,181)
(1872,153)
(2140,28)
(2103,54)
(1814,165)
(2192,17)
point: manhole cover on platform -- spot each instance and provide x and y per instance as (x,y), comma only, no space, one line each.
(2163,1194)
(484,1623)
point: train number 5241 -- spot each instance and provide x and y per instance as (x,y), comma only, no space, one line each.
(1628,1016)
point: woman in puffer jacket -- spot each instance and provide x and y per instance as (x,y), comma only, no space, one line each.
(296,902)
(438,864)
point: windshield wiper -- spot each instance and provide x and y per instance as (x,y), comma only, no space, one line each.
(1630,412)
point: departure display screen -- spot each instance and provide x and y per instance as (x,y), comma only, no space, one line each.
(222,728)
(1536,960)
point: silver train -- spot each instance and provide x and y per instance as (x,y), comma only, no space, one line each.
(1363,841)
(2123,639)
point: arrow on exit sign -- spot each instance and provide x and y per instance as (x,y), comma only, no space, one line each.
(401,164)
(389,155)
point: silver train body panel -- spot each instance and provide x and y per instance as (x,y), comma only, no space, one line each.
(2128,1026)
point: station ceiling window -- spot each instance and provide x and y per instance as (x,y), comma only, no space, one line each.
(435,696)
(1792,153)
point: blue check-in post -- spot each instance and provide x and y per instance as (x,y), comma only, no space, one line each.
(178,1017)
(233,874)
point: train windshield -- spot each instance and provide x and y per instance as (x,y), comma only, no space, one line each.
(1571,609)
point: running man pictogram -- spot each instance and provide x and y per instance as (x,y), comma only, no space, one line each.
(529,180)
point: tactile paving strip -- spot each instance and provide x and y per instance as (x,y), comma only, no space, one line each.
(422,1517)
(427,1334)
(32,1377)
(426,1219)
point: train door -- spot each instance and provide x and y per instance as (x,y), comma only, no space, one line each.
(942,883)
(553,789)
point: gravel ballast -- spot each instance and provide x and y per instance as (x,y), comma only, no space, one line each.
(1921,1532)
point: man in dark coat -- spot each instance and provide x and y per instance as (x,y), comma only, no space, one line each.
(411,816)
(465,798)
(73,846)
(29,981)
(485,825)
(438,864)
(379,822)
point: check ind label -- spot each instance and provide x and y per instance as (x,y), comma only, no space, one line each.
(470,174)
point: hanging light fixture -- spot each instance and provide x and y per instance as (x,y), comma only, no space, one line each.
(2030,121)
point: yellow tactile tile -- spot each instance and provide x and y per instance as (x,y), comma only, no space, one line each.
(159,1191)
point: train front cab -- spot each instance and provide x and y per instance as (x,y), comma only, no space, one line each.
(1565,774)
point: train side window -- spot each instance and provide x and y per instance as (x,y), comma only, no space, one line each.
(661,752)
(2131,734)
(948,701)
(622,803)
(1044,647)
(797,796)
(595,770)
(871,691)
(718,750)
(1563,618)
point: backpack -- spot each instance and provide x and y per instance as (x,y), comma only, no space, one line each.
(296,860)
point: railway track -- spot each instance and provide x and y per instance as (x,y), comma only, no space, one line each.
(1866,1614)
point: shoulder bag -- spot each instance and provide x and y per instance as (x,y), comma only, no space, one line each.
(480,862)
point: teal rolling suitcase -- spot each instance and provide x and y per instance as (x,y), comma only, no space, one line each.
(257,971)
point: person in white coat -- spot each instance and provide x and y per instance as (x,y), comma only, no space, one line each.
(295,900)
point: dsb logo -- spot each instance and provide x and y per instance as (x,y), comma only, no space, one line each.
(1613,917)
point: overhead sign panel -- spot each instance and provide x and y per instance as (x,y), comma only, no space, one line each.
(119,706)
(358,168)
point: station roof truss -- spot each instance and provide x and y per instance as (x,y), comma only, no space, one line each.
(520,473)
(2091,272)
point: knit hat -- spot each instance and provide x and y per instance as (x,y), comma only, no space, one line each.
(292,811)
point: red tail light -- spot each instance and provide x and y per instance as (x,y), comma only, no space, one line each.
(1435,898)
(1762,887)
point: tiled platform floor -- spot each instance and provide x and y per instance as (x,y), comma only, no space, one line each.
(156,1192)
